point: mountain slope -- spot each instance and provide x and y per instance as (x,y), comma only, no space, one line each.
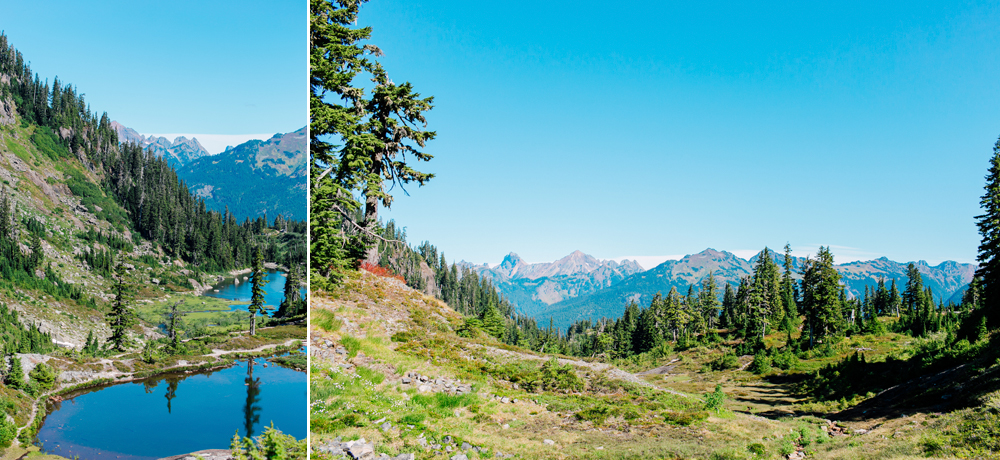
(254,178)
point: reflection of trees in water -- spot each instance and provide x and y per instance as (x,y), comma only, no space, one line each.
(172,389)
(252,408)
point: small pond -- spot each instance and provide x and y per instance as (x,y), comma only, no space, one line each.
(175,414)
(238,290)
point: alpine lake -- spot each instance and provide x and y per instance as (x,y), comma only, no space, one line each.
(177,413)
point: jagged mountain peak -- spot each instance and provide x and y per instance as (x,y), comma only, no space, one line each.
(177,152)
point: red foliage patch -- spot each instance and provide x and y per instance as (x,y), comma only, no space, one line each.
(379,270)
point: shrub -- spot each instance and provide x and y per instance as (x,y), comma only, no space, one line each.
(715,400)
(596,414)
(725,362)
(761,363)
(7,430)
(272,444)
(413,419)
(45,375)
(684,418)
(785,360)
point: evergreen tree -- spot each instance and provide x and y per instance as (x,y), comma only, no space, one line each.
(708,299)
(788,304)
(895,300)
(989,247)
(493,323)
(258,279)
(375,131)
(173,316)
(290,304)
(121,317)
(15,374)
(728,307)
(821,296)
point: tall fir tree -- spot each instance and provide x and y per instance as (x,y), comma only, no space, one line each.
(258,279)
(821,296)
(989,247)
(375,128)
(788,304)
(708,299)
(121,316)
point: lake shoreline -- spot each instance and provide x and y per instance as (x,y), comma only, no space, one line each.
(44,404)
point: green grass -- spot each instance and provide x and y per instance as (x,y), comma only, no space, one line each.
(326,320)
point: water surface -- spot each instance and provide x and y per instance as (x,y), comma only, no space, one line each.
(177,413)
(274,291)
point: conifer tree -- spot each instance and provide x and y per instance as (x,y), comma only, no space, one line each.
(708,298)
(121,317)
(821,296)
(989,247)
(293,294)
(15,374)
(257,282)
(788,304)
(375,131)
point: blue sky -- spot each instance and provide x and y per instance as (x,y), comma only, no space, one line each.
(180,67)
(658,129)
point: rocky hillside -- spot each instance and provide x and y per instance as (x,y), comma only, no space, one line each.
(254,178)
(399,374)
(178,152)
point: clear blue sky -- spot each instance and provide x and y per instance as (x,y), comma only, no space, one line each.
(659,129)
(217,67)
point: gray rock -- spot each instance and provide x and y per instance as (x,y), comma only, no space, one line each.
(361,450)
(549,442)
(505,400)
(459,457)
(406,457)
(386,426)
(406,380)
(447,440)
(466,446)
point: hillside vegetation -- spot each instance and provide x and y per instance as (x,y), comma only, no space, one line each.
(103,257)
(375,342)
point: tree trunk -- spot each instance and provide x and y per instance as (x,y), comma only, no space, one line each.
(371,214)
(253,323)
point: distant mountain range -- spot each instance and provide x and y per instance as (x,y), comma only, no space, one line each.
(178,152)
(533,287)
(254,178)
(579,286)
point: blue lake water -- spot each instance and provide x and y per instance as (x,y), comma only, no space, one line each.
(177,413)
(274,291)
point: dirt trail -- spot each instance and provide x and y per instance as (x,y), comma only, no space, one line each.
(608,369)
(219,353)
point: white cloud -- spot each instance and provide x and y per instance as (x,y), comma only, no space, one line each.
(216,143)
